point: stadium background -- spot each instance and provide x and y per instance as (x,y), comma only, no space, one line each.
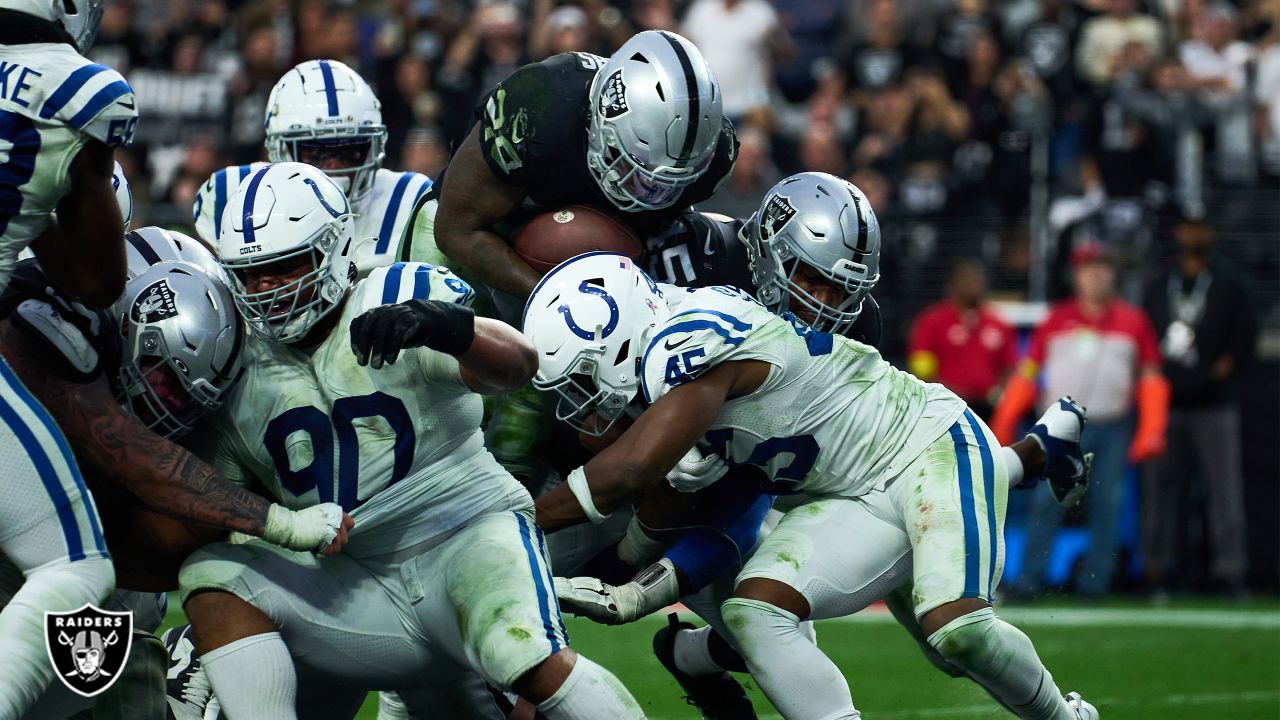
(965,121)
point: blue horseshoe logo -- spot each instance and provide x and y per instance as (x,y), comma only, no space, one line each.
(316,189)
(609,327)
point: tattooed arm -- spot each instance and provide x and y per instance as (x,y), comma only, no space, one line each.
(163,476)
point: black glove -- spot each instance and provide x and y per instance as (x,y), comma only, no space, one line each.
(380,334)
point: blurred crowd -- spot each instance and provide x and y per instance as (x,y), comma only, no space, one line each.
(1005,144)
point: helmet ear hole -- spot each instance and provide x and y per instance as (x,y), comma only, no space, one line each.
(623,351)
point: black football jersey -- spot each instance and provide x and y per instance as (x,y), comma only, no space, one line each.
(82,343)
(700,250)
(533,133)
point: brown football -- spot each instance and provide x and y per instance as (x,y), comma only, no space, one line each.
(551,238)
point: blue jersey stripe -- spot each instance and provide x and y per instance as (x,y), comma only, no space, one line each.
(539,583)
(968,514)
(422,283)
(44,467)
(250,195)
(989,487)
(389,216)
(244,172)
(733,321)
(542,544)
(99,102)
(330,90)
(422,189)
(391,287)
(685,326)
(69,88)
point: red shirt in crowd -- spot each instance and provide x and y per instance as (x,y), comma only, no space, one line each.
(1098,360)
(969,351)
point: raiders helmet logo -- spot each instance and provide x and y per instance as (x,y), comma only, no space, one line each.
(777,213)
(613,101)
(153,304)
(88,647)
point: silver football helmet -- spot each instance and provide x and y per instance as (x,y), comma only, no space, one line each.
(655,121)
(825,223)
(182,337)
(79,18)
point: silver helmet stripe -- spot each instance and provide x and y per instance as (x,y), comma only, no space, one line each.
(691,85)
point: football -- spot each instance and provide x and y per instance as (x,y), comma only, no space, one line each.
(551,238)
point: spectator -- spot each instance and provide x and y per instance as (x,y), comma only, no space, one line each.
(1105,40)
(1103,352)
(565,30)
(814,27)
(962,343)
(1204,316)
(1219,61)
(739,39)
(424,152)
(880,60)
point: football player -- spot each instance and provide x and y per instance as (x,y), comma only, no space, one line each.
(61,117)
(324,114)
(895,478)
(444,582)
(641,131)
(121,406)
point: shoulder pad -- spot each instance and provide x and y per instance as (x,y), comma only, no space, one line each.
(97,101)
(404,281)
(707,326)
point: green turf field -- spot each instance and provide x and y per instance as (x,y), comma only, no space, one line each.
(1187,661)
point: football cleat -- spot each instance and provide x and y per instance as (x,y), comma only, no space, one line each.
(188,688)
(1066,467)
(718,696)
(1081,707)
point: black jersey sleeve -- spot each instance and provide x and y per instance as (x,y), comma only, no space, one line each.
(81,343)
(698,250)
(525,118)
(868,327)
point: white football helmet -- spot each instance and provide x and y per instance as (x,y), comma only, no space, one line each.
(323,110)
(182,338)
(655,121)
(821,221)
(285,213)
(124,196)
(79,18)
(590,319)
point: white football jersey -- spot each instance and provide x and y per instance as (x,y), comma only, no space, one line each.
(833,417)
(380,217)
(399,447)
(52,101)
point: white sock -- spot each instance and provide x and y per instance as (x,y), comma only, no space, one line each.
(797,677)
(1002,659)
(254,678)
(590,691)
(1013,464)
(24,662)
(693,652)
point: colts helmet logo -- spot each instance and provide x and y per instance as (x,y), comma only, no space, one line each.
(88,647)
(613,101)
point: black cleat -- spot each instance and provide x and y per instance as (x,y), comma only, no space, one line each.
(718,696)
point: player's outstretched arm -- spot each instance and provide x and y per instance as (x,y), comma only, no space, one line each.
(163,476)
(472,200)
(82,250)
(649,448)
(500,358)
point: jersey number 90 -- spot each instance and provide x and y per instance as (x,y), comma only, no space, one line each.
(321,430)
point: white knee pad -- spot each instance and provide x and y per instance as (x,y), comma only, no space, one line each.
(756,624)
(967,637)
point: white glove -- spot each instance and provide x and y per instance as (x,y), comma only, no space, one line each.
(310,529)
(653,589)
(694,472)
